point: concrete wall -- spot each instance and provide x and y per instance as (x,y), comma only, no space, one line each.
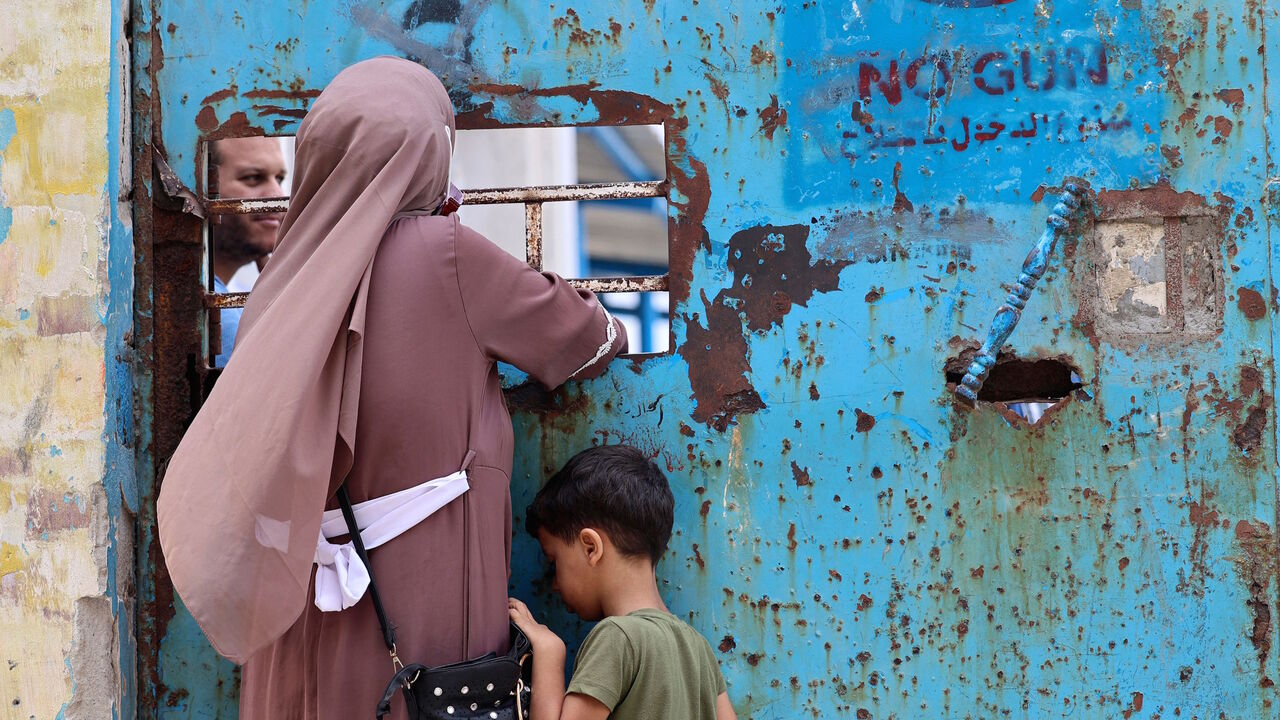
(66,274)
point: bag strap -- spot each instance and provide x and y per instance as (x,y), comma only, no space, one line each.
(388,631)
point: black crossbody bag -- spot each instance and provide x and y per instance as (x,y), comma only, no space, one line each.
(490,687)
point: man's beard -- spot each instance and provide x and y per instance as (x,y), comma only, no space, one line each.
(232,240)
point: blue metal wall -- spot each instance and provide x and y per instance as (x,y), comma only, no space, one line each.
(852,184)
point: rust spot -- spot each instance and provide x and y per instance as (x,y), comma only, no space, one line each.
(705,508)
(577,34)
(697,557)
(761,56)
(877,473)
(772,271)
(299,94)
(791,538)
(206,119)
(284,112)
(718,367)
(1248,435)
(772,117)
(813,391)
(873,295)
(1160,199)
(978,572)
(1251,303)
(1190,406)
(800,474)
(865,421)
(1250,380)
(727,643)
(219,95)
(1172,154)
(1257,568)
(718,86)
(753,659)
(1135,705)
(864,602)
(237,125)
(1231,96)
(835,575)
(900,202)
(1203,519)
(1123,563)
(962,628)
(1222,126)
(685,430)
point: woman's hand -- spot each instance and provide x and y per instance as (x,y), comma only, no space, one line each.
(543,639)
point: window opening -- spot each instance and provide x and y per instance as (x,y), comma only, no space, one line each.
(586,202)
(605,224)
(242,174)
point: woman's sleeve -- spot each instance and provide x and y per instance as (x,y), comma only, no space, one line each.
(535,321)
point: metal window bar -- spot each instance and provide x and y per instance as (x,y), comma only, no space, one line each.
(531,197)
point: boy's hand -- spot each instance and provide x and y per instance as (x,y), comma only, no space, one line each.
(548,662)
(540,636)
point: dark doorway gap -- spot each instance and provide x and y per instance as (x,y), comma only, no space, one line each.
(1018,380)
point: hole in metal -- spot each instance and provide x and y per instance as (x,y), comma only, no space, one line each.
(1027,386)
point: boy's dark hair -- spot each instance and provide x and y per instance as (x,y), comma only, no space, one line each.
(613,488)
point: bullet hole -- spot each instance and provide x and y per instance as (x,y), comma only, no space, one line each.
(1026,386)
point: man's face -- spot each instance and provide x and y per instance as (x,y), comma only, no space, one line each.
(248,168)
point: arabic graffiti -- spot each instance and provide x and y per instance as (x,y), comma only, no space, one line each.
(1059,127)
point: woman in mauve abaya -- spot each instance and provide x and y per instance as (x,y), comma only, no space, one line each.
(366,355)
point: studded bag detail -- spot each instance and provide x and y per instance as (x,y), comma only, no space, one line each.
(490,687)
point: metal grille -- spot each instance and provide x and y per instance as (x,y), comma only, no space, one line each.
(531,197)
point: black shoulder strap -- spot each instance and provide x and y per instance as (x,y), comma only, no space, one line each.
(388,632)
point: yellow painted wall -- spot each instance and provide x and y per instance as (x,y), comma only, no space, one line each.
(58,639)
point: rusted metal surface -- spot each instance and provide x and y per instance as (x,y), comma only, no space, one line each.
(849,183)
(225,301)
(642,283)
(487,196)
(533,234)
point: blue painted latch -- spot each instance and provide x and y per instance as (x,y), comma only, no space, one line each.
(1010,312)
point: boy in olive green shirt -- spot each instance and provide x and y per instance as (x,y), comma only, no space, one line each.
(603,521)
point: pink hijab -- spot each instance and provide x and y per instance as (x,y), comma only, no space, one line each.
(240,503)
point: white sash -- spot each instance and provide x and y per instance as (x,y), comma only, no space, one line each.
(341,579)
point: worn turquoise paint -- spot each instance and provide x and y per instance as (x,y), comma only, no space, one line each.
(852,543)
(8,128)
(119,369)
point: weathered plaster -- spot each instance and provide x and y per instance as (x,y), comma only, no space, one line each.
(65,314)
